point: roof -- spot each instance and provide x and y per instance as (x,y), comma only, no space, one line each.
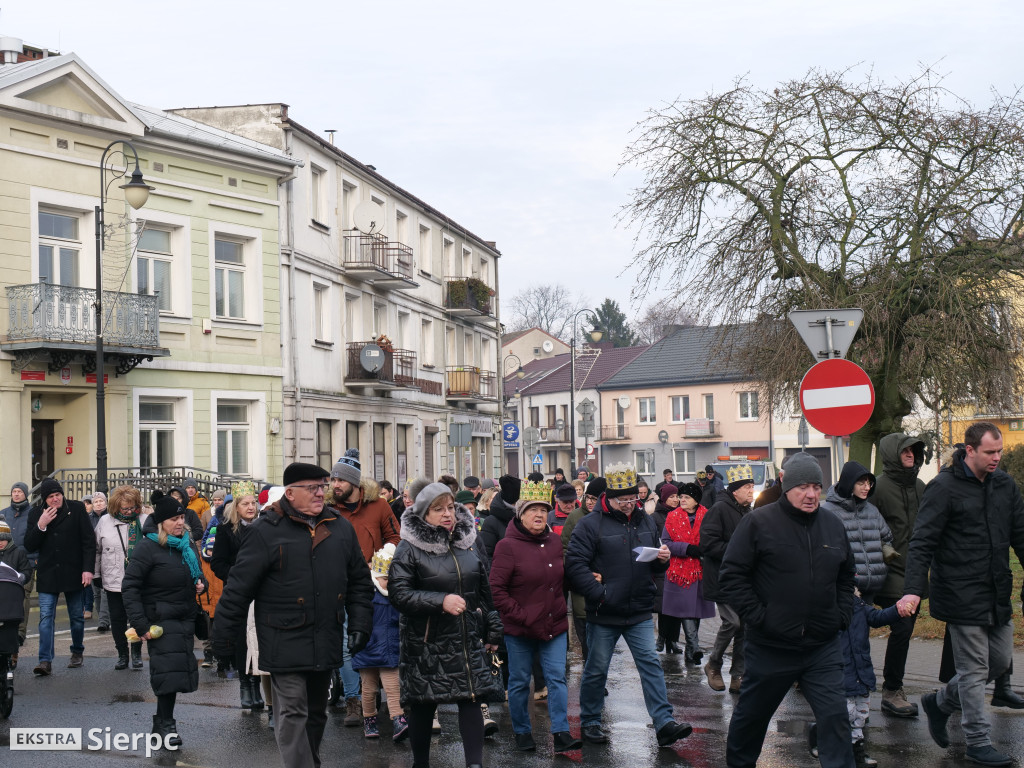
(551,375)
(513,335)
(689,355)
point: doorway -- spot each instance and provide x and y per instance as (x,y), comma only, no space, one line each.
(42,449)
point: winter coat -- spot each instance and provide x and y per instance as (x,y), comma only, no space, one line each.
(789,575)
(383,649)
(898,493)
(858,670)
(226,544)
(111,549)
(17,516)
(374,523)
(304,581)
(865,530)
(658,517)
(603,543)
(528,583)
(159,589)
(67,548)
(768,495)
(17,558)
(715,532)
(576,601)
(963,533)
(493,528)
(443,658)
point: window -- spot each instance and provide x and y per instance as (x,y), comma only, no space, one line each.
(709,407)
(380,319)
(552,414)
(59,248)
(229,277)
(685,461)
(534,416)
(449,347)
(324,444)
(154,264)
(402,454)
(680,408)
(427,342)
(468,356)
(379,441)
(748,406)
(467,262)
(644,462)
(485,271)
(352,317)
(403,331)
(425,254)
(647,410)
(347,201)
(232,437)
(321,322)
(352,429)
(448,248)
(401,227)
(156,434)
(318,195)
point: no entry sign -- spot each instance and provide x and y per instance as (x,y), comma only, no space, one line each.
(836,397)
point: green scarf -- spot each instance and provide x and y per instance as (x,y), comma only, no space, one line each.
(184,545)
(134,531)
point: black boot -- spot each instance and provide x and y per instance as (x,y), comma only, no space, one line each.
(861,758)
(167,730)
(245,686)
(659,644)
(270,717)
(122,661)
(1004,695)
(136,655)
(672,646)
(257,695)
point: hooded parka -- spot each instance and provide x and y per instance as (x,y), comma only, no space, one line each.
(898,495)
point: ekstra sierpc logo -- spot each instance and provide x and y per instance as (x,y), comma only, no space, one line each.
(96,740)
(46,738)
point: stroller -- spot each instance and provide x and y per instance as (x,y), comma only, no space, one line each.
(12,611)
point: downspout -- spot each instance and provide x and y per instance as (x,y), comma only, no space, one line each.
(293,341)
(498,446)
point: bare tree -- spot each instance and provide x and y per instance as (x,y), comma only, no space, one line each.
(824,192)
(548,306)
(650,326)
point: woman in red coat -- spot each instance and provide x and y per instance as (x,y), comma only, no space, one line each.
(527,583)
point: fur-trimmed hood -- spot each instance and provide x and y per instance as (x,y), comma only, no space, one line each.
(434,538)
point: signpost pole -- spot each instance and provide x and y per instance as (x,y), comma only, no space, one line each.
(837,440)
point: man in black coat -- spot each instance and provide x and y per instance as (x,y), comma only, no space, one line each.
(970,516)
(302,564)
(60,531)
(789,572)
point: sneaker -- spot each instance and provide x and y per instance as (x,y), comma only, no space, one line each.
(895,703)
(370,728)
(525,742)
(76,661)
(490,726)
(207,659)
(812,740)
(987,755)
(672,732)
(353,711)
(435,727)
(399,728)
(862,759)
(103,627)
(715,681)
(937,721)
(43,669)
(564,741)
(594,734)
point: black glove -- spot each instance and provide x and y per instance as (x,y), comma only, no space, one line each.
(692,550)
(357,641)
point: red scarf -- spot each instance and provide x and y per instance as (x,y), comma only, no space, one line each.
(684,570)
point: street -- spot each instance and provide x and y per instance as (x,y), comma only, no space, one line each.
(216,733)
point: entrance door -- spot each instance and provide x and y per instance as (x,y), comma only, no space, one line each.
(42,449)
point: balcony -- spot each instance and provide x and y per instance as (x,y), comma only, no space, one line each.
(554,435)
(395,368)
(57,323)
(469,297)
(614,432)
(697,429)
(385,264)
(468,384)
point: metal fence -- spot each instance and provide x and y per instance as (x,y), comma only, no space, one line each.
(82,482)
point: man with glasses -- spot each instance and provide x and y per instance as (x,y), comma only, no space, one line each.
(302,564)
(619,591)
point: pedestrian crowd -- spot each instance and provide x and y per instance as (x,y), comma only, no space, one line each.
(466,594)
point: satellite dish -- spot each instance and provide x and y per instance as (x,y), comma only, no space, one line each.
(547,346)
(624,402)
(368,217)
(371,357)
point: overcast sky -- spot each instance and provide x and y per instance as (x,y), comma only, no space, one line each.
(512,118)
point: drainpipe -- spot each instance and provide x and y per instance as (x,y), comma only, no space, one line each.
(289,233)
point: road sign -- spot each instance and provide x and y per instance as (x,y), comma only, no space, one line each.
(538,460)
(586,428)
(560,424)
(590,449)
(813,326)
(531,436)
(836,397)
(512,444)
(586,407)
(511,432)
(460,434)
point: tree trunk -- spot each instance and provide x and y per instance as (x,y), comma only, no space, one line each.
(890,408)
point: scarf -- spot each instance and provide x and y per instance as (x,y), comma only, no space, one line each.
(184,545)
(684,571)
(131,519)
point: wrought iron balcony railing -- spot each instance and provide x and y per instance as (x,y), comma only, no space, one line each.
(470,383)
(468,296)
(376,258)
(399,368)
(614,432)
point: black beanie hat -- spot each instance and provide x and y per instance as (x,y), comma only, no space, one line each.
(692,490)
(596,487)
(166,507)
(565,492)
(510,485)
(48,486)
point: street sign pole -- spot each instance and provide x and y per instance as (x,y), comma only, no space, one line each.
(837,440)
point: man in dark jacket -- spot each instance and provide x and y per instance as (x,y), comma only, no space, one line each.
(302,565)
(502,510)
(970,516)
(898,495)
(17,517)
(789,573)
(59,530)
(619,591)
(715,532)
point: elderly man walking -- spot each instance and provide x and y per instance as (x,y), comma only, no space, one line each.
(970,516)
(302,564)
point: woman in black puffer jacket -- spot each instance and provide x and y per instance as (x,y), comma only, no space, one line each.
(438,582)
(160,587)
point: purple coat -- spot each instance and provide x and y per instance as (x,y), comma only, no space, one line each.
(528,582)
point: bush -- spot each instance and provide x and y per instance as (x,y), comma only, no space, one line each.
(1013,463)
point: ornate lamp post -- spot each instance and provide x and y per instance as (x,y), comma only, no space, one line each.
(136,193)
(595,336)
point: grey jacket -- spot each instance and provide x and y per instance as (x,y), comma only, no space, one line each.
(867,532)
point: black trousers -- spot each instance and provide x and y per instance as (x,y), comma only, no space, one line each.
(118,621)
(471,728)
(897,647)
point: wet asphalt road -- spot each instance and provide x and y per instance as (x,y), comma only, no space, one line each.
(217,733)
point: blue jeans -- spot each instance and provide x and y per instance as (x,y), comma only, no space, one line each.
(601,640)
(520,669)
(350,679)
(47,611)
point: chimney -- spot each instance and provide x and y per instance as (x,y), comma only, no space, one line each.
(10,49)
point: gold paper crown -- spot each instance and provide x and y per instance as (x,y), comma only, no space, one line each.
(741,472)
(531,491)
(620,477)
(243,488)
(381,560)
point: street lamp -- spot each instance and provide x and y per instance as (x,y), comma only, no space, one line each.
(595,336)
(136,193)
(520,373)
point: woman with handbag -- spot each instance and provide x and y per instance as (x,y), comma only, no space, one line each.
(449,628)
(117,534)
(160,589)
